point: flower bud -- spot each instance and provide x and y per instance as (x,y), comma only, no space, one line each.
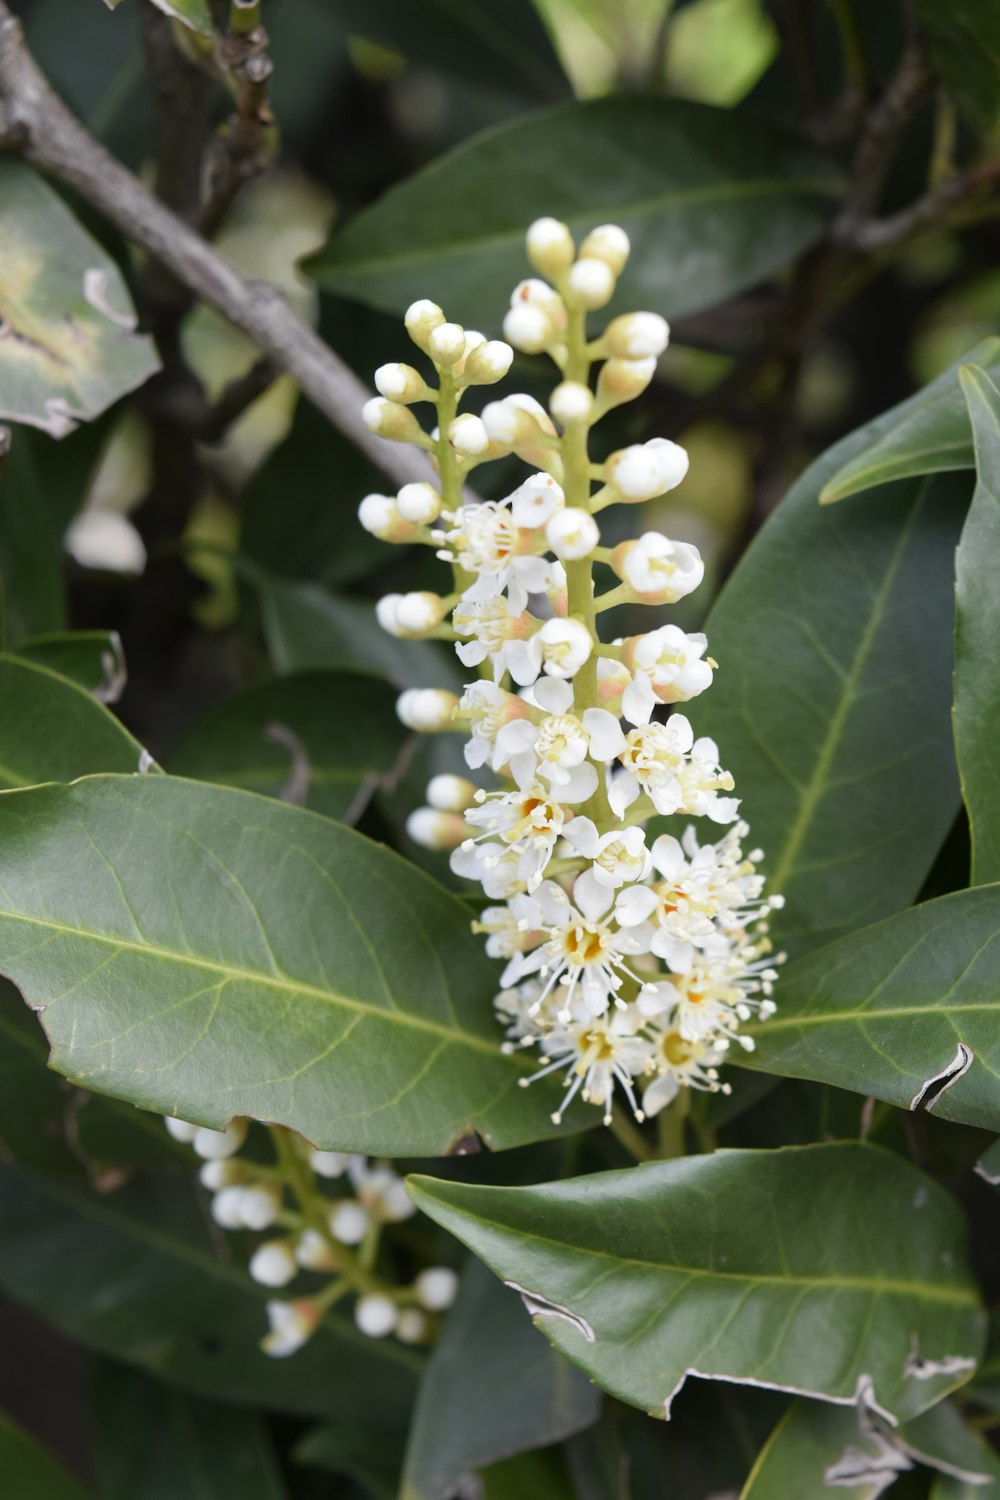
(571,401)
(488,363)
(529,329)
(260,1205)
(273,1263)
(535,501)
(313,1253)
(450,793)
(421,319)
(376,1315)
(468,436)
(446,344)
(613,677)
(348,1222)
(610,243)
(623,379)
(658,570)
(419,612)
(550,246)
(401,383)
(427,710)
(216,1145)
(432,829)
(639,335)
(380,516)
(387,419)
(216,1175)
(180,1130)
(419,502)
(385,614)
(329,1164)
(572,534)
(436,1287)
(292,1325)
(227,1208)
(566,645)
(590,284)
(518,421)
(646,470)
(411,1326)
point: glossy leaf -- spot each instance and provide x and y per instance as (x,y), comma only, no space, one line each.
(307,627)
(93,659)
(819,1447)
(183,1312)
(32,596)
(907,1010)
(928,434)
(155,1443)
(371,1455)
(51,729)
(712,203)
(70,347)
(29,1472)
(493,1388)
(964,38)
(208,953)
(314,739)
(832,701)
(977,633)
(816,1269)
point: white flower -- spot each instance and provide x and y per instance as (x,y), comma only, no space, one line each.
(488,710)
(668,668)
(702,779)
(436,1287)
(536,501)
(638,335)
(292,1325)
(586,952)
(380,1192)
(530,818)
(658,570)
(558,745)
(486,541)
(274,1263)
(559,648)
(645,470)
(572,533)
(619,857)
(376,1315)
(597,1052)
(495,868)
(681,1063)
(495,627)
(653,757)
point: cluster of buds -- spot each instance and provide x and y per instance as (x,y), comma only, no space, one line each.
(334,1234)
(625,963)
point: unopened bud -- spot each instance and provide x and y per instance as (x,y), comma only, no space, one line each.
(623,379)
(401,383)
(421,319)
(216,1145)
(488,363)
(411,1326)
(329,1164)
(468,435)
(216,1175)
(427,710)
(273,1263)
(450,793)
(436,1288)
(571,401)
(529,329)
(376,1315)
(640,335)
(260,1205)
(590,284)
(180,1130)
(419,502)
(517,421)
(432,829)
(419,612)
(380,516)
(385,614)
(646,470)
(313,1252)
(572,533)
(387,419)
(446,344)
(348,1222)
(550,246)
(610,243)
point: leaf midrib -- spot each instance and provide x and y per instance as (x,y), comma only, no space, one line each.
(955,1297)
(253,976)
(780,1022)
(514,237)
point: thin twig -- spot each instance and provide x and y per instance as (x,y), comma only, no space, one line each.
(235,399)
(37,125)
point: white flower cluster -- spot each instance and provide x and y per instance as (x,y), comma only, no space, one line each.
(320,1234)
(625,962)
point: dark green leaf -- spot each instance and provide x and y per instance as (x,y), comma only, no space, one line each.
(947,1488)
(988,1166)
(30,1473)
(833,1270)
(832,703)
(209,953)
(53,730)
(964,37)
(818,1447)
(906,1011)
(314,739)
(928,434)
(977,633)
(178,1310)
(373,1456)
(93,659)
(155,1443)
(69,348)
(307,627)
(32,1100)
(711,201)
(493,1388)
(31,586)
